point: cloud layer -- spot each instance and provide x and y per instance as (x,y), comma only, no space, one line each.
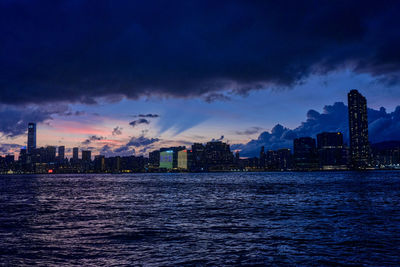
(383,126)
(81,50)
(14,120)
(139,121)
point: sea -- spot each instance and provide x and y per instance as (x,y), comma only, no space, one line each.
(201,219)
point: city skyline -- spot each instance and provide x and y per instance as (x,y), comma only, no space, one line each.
(89,142)
(138,78)
(327,151)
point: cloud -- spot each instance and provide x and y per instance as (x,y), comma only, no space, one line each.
(137,122)
(192,49)
(219,139)
(91,139)
(249,131)
(141,141)
(9,148)
(212,97)
(14,120)
(117,131)
(147,115)
(76,113)
(383,126)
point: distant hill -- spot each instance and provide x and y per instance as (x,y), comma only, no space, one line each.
(386,145)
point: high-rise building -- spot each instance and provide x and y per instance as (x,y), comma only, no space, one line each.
(358,127)
(154,158)
(172,154)
(99,163)
(61,153)
(285,159)
(22,158)
(218,156)
(86,155)
(331,152)
(184,159)
(199,157)
(166,159)
(31,137)
(50,154)
(262,158)
(271,160)
(305,154)
(75,154)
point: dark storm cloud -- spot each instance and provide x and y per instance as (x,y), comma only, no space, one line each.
(137,122)
(383,126)
(14,120)
(81,50)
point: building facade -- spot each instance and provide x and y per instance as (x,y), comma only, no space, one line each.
(31,138)
(331,152)
(305,154)
(358,129)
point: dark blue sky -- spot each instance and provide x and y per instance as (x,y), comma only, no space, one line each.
(205,68)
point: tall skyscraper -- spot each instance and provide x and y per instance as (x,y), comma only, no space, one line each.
(31,137)
(61,153)
(75,154)
(358,127)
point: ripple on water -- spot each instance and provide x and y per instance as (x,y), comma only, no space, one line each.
(201,219)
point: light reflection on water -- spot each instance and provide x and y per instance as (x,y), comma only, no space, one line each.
(199,219)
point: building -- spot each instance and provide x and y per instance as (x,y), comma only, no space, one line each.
(154,159)
(279,160)
(305,154)
(184,159)
(386,155)
(331,152)
(262,158)
(99,163)
(61,153)
(358,128)
(285,159)
(198,157)
(166,159)
(218,156)
(31,137)
(75,154)
(86,156)
(50,154)
(22,158)
(271,160)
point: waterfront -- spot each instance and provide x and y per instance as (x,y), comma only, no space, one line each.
(322,218)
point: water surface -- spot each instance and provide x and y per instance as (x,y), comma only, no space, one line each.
(201,219)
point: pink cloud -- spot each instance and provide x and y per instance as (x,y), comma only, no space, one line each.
(79,128)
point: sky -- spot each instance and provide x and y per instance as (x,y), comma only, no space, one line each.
(129,77)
